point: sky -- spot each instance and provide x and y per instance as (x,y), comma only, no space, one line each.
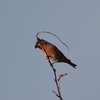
(25,73)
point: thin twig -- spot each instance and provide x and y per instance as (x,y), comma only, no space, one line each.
(58,88)
(52,34)
(55,93)
(61,75)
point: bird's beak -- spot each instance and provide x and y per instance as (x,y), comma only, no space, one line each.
(36,46)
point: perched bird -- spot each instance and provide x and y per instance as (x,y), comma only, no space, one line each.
(52,52)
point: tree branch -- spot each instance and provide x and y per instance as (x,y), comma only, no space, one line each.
(56,81)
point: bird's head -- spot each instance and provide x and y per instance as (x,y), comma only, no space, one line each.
(39,43)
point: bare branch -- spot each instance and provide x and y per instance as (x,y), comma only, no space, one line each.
(61,75)
(56,93)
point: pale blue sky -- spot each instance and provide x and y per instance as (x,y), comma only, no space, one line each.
(24,71)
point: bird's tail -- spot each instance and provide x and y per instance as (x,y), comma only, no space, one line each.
(70,63)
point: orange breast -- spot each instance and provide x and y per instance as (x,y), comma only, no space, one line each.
(50,50)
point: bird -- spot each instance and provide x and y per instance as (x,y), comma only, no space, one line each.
(51,51)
